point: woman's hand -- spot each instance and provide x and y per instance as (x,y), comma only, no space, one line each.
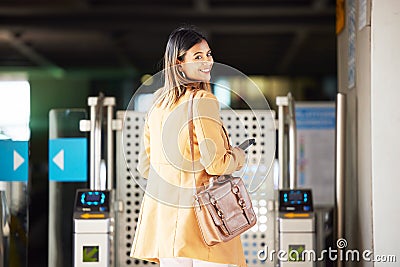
(240,157)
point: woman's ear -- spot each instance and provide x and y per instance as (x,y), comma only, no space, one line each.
(179,65)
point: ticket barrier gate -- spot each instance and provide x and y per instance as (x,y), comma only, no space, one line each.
(93,228)
(93,217)
(296,226)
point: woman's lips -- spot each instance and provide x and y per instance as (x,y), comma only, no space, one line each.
(205,70)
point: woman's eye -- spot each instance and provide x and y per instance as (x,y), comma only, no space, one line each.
(198,57)
(209,55)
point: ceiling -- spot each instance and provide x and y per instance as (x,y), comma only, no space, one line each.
(268,37)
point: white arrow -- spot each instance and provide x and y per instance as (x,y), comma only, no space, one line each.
(18,160)
(59,159)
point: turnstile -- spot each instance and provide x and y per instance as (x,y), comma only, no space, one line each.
(93,211)
(93,228)
(296,226)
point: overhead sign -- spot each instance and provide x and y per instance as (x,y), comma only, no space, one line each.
(68,159)
(13,161)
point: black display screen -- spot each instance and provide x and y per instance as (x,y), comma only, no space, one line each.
(295,196)
(88,200)
(297,200)
(92,198)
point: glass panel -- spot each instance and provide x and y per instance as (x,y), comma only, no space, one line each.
(14,127)
(64,123)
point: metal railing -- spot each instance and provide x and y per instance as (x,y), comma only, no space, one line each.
(340,169)
(95,126)
(287,163)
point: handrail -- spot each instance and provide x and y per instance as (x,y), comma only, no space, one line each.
(286,114)
(96,121)
(110,103)
(281,144)
(340,168)
(95,126)
(292,143)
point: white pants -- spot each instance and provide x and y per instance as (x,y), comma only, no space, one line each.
(188,262)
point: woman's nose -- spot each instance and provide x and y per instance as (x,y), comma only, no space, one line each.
(208,61)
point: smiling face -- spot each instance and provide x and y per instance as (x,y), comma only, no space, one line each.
(197,62)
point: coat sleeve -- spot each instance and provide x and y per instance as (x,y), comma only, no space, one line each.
(143,166)
(214,156)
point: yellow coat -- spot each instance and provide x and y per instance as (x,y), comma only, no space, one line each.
(167,226)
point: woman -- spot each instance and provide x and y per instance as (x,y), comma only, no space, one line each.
(167,230)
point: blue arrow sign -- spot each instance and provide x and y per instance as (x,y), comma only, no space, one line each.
(68,159)
(13,161)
